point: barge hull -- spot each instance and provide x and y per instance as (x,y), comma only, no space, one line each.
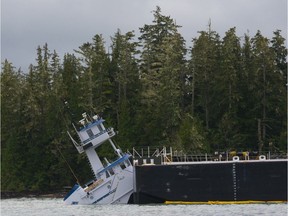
(235,181)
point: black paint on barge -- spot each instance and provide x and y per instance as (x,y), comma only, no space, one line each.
(213,181)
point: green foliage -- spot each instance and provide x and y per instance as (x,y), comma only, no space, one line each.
(192,135)
(229,94)
(161,68)
(126,85)
(205,66)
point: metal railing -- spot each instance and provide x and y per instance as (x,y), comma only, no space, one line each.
(167,155)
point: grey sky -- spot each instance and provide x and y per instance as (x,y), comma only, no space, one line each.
(67,24)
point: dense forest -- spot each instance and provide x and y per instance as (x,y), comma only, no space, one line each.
(220,94)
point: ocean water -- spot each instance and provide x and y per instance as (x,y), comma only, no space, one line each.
(51,207)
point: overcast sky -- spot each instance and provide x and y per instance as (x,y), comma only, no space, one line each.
(67,24)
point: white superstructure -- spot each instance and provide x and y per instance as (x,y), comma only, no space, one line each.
(113,182)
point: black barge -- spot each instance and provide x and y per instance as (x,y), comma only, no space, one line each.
(239,180)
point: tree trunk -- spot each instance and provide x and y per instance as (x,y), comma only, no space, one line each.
(260,140)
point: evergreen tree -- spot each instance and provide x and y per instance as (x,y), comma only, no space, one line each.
(171,78)
(70,84)
(41,119)
(124,73)
(278,134)
(227,90)
(266,82)
(12,135)
(204,66)
(159,115)
(247,87)
(95,83)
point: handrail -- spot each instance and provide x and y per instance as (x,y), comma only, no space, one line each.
(97,135)
(216,156)
(113,164)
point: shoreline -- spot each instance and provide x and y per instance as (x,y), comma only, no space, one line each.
(18,195)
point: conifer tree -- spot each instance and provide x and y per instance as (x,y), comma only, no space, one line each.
(94,81)
(265,82)
(204,67)
(247,87)
(70,83)
(158,41)
(12,132)
(124,73)
(227,90)
(278,135)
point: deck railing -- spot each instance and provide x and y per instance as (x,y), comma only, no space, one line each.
(169,155)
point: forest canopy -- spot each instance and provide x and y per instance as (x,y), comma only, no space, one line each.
(220,94)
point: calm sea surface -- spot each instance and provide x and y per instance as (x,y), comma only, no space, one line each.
(43,207)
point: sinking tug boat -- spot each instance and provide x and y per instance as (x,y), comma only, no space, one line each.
(168,177)
(113,182)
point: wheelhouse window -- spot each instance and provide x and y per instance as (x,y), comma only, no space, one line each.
(100,128)
(122,165)
(90,133)
(111,171)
